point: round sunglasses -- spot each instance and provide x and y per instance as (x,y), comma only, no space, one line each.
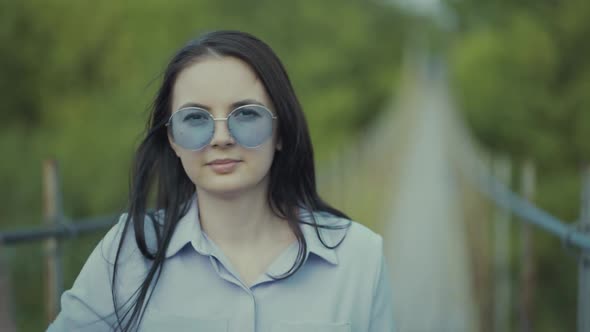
(192,128)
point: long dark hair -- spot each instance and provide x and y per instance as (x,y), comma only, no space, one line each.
(158,173)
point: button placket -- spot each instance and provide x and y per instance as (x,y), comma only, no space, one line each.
(254,311)
(244,314)
(223,273)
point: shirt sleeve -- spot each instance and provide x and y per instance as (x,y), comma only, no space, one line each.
(382,307)
(88,305)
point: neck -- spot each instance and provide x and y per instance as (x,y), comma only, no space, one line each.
(239,220)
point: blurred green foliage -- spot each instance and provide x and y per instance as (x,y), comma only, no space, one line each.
(78,78)
(521,72)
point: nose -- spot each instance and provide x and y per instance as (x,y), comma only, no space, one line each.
(221,136)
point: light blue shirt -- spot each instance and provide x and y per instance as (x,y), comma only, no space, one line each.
(336,290)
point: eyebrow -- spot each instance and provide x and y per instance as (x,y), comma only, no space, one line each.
(233,105)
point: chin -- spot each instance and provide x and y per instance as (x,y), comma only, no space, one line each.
(229,186)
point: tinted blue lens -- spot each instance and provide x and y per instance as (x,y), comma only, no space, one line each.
(250,125)
(192,128)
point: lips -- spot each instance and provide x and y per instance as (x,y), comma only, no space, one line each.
(222,161)
(223,166)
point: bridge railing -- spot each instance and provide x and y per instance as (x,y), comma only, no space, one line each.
(56,229)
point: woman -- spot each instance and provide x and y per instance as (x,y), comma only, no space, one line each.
(240,239)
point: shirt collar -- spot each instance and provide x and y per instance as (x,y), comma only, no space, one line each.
(329,237)
(188,230)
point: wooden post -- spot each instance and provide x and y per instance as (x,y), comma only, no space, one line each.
(52,213)
(502,304)
(527,272)
(485,285)
(584,263)
(6,322)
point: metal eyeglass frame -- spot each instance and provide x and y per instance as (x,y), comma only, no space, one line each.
(272,116)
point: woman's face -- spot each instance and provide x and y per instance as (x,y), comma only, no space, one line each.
(224,167)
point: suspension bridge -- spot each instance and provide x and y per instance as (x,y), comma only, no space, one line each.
(418,177)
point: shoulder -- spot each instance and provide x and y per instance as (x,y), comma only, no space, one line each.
(361,244)
(89,302)
(111,242)
(358,242)
(362,237)
(359,255)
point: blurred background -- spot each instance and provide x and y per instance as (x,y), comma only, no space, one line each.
(409,104)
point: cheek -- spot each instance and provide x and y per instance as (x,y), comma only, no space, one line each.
(257,163)
(191,162)
(266,153)
(263,162)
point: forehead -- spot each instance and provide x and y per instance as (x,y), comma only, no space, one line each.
(218,82)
